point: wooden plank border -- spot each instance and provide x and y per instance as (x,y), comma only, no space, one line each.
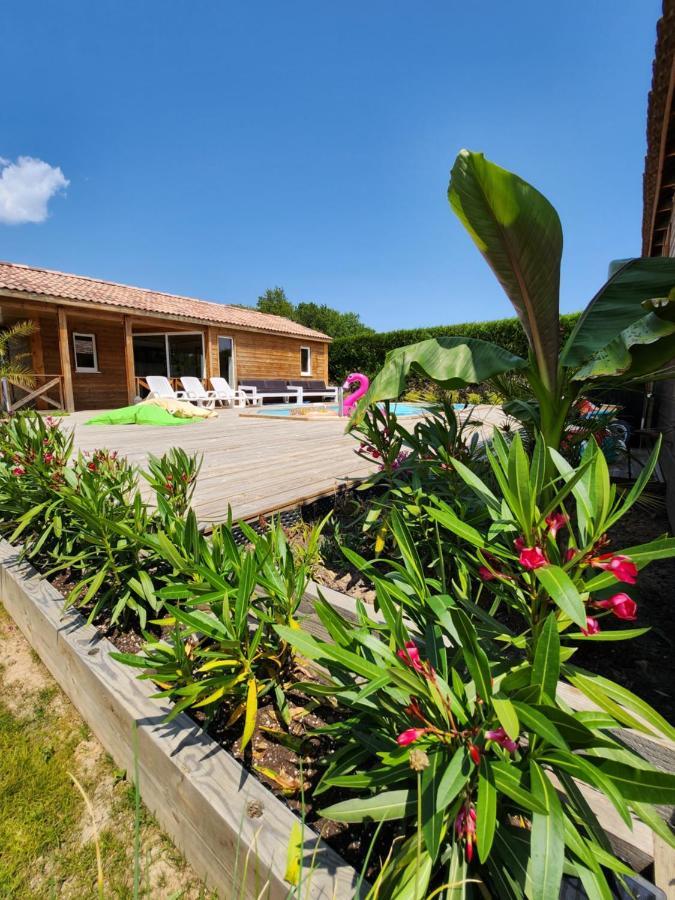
(227,824)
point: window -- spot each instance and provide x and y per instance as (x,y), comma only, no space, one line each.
(226,358)
(84,347)
(174,354)
(305,361)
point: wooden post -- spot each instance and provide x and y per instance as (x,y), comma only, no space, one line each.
(37,358)
(129,360)
(211,352)
(64,357)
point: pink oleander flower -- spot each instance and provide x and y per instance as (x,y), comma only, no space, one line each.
(621,605)
(555,522)
(411,656)
(570,553)
(485,574)
(465,828)
(622,567)
(48,457)
(400,459)
(18,470)
(519,543)
(51,422)
(532,558)
(409,736)
(499,736)
(592,626)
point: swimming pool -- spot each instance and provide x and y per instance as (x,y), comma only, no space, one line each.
(401,409)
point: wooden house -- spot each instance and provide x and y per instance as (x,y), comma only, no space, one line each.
(658,220)
(94,341)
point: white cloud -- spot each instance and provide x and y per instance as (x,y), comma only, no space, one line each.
(26,187)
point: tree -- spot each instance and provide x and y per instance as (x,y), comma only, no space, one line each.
(330,321)
(275,302)
(312,315)
(625,336)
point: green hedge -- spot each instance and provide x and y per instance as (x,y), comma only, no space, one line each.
(366,352)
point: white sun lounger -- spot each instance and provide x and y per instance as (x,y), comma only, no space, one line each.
(160,386)
(197,393)
(225,394)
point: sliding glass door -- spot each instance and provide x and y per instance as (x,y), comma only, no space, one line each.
(173,354)
(186,355)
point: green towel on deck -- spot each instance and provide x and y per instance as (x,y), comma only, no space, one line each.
(141,414)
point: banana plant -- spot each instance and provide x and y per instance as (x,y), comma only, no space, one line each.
(625,336)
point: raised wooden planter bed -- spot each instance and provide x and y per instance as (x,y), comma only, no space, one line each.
(228,825)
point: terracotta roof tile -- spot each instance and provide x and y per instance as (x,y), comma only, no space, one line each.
(17,277)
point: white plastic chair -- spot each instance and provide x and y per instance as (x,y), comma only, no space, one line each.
(226,394)
(197,393)
(160,387)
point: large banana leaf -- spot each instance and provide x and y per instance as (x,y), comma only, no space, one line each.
(628,352)
(519,233)
(617,305)
(451,362)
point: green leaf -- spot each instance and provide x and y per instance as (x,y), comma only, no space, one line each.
(475,657)
(651,818)
(584,770)
(454,778)
(538,723)
(508,779)
(199,621)
(617,305)
(486,810)
(642,785)
(384,807)
(447,518)
(519,480)
(519,234)
(452,362)
(546,668)
(432,815)
(561,589)
(508,717)
(327,653)
(457,874)
(613,698)
(547,839)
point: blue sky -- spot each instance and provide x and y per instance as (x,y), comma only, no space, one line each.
(216,149)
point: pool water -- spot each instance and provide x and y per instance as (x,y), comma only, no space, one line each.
(401,409)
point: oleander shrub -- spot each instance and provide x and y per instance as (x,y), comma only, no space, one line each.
(455,727)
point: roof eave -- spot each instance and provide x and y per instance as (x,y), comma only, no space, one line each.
(56,300)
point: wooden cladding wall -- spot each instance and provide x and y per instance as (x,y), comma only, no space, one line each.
(274,356)
(256,355)
(104,389)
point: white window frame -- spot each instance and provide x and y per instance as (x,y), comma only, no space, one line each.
(308,370)
(83,334)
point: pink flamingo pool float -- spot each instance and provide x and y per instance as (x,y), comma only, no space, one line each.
(350,400)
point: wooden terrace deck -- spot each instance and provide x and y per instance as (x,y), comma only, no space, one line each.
(257,466)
